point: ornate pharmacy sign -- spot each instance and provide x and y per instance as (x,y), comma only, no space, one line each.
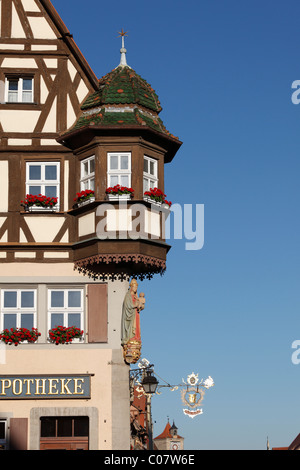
(193,393)
(41,387)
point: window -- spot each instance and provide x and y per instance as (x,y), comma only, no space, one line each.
(18,308)
(64,433)
(119,169)
(19,89)
(87,174)
(65,308)
(150,179)
(3,434)
(65,426)
(43,178)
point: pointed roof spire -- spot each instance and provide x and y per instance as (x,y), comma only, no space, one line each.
(123,62)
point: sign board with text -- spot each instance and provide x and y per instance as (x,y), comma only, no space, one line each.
(45,387)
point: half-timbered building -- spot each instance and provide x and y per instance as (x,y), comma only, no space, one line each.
(68,248)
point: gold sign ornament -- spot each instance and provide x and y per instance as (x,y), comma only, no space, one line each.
(193,394)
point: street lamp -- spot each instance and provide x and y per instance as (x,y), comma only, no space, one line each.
(149,382)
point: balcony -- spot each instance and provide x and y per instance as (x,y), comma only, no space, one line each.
(120,239)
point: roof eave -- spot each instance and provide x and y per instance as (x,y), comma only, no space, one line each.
(76,138)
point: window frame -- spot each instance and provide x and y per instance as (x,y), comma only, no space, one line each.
(65,310)
(18,310)
(148,176)
(85,180)
(4,442)
(118,172)
(20,90)
(43,182)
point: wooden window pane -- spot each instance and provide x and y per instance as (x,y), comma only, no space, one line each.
(27,320)
(27,299)
(81,426)
(35,172)
(48,427)
(64,427)
(10,321)
(114,162)
(57,319)
(10,299)
(51,172)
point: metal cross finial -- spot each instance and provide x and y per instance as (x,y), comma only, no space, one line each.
(123,51)
(123,33)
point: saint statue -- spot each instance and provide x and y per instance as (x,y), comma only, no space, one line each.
(131,332)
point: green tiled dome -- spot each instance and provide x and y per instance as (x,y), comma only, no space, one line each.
(123,100)
(123,86)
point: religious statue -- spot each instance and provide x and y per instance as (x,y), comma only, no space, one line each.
(131,332)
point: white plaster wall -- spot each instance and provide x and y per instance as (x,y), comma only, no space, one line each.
(4,186)
(17,30)
(86,224)
(44,229)
(19,63)
(12,47)
(41,28)
(152,223)
(30,5)
(24,121)
(119,220)
(82,91)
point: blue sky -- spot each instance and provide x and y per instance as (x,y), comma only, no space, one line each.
(223,72)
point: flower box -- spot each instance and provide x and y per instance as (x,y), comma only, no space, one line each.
(116,197)
(40,209)
(84,197)
(117,193)
(152,201)
(64,335)
(162,205)
(87,201)
(39,203)
(157,197)
(19,335)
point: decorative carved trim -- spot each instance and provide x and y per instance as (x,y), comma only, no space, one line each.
(132,351)
(120,266)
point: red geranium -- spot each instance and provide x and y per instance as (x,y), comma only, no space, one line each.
(119,190)
(84,195)
(157,195)
(39,200)
(64,335)
(18,335)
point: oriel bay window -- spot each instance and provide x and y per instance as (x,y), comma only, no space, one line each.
(119,169)
(43,178)
(18,309)
(65,308)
